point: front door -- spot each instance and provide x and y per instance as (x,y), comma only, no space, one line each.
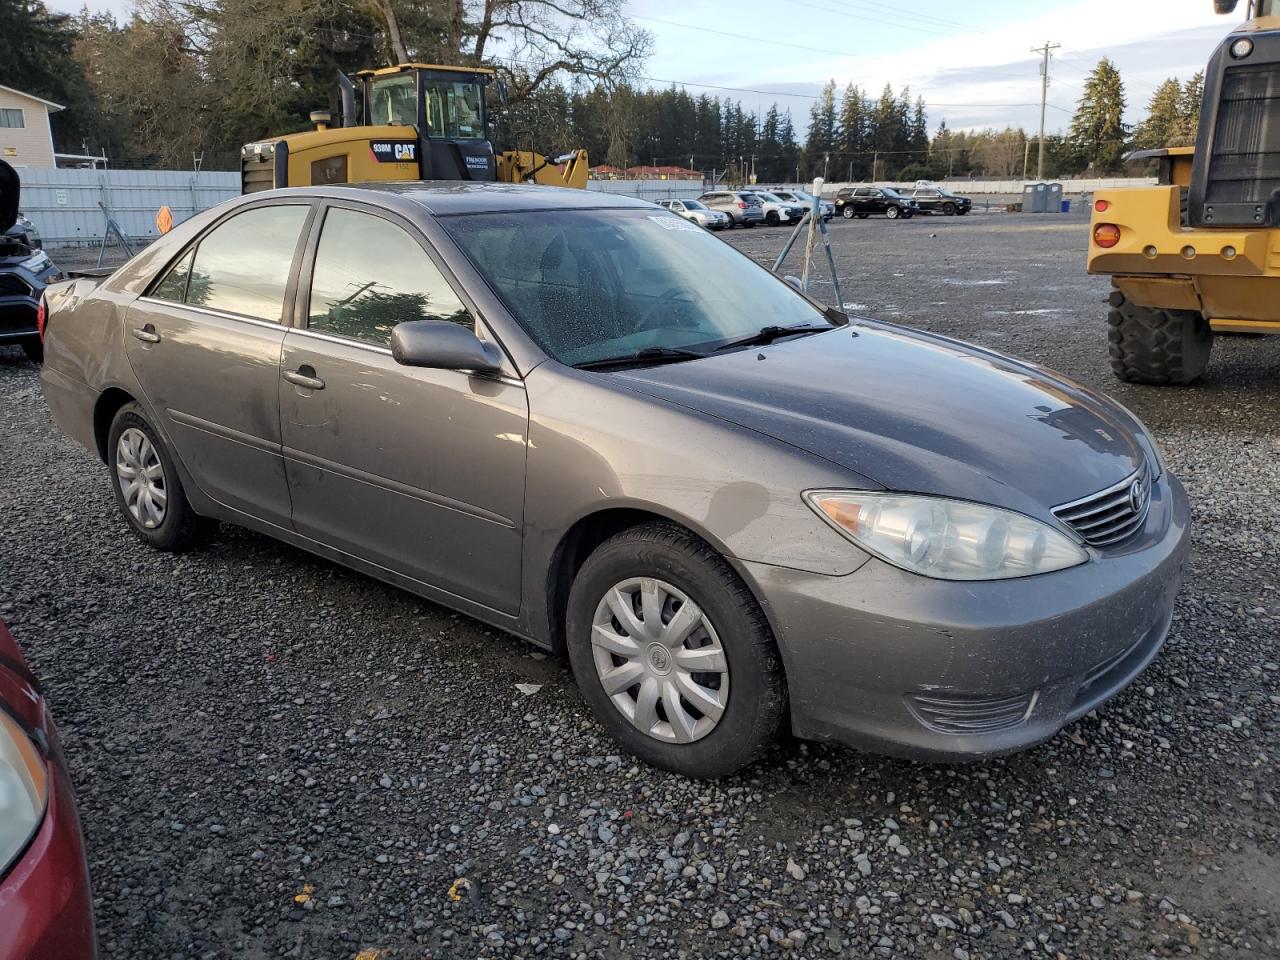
(205,343)
(419,471)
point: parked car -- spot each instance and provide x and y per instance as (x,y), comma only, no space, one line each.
(742,208)
(777,210)
(25,269)
(805,200)
(698,213)
(46,912)
(588,423)
(862,202)
(938,200)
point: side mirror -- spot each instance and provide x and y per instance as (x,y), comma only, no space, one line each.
(1223,7)
(443,345)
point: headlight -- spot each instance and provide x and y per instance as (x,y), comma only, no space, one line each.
(946,539)
(24,790)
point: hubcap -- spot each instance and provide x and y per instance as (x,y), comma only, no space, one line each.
(659,660)
(141,478)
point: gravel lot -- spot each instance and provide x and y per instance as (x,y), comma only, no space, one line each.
(277,757)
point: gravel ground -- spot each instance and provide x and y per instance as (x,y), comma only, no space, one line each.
(277,757)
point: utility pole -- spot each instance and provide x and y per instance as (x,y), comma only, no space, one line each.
(1045,52)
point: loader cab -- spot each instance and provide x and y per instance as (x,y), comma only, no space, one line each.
(445,107)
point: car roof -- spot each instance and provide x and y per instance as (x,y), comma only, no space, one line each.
(445,197)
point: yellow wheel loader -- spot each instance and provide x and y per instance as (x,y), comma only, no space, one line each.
(415,121)
(1200,252)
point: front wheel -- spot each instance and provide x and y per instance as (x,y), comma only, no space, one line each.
(148,490)
(847,213)
(772,218)
(1148,345)
(949,209)
(672,653)
(892,213)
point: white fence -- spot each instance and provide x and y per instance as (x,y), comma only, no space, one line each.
(67,205)
(64,204)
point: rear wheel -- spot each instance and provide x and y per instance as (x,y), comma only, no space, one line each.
(672,653)
(1148,345)
(848,213)
(34,350)
(147,487)
(892,213)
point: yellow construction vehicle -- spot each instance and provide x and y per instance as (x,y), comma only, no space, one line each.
(1200,252)
(415,121)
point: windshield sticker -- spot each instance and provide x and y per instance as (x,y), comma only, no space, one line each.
(676,223)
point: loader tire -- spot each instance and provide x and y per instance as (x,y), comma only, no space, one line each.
(1149,345)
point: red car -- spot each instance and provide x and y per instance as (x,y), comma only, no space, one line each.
(46,912)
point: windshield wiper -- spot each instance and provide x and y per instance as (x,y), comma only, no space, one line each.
(646,355)
(766,335)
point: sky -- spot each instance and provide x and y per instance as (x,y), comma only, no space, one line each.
(972,62)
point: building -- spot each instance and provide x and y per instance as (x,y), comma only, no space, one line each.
(26,139)
(663,173)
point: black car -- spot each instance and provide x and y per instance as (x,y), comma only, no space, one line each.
(862,202)
(938,200)
(25,269)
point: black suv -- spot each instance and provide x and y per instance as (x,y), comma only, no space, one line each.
(937,200)
(24,270)
(862,202)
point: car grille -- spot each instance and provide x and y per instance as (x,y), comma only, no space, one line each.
(973,716)
(13,286)
(1244,166)
(1113,514)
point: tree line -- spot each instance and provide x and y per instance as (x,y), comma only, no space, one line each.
(180,81)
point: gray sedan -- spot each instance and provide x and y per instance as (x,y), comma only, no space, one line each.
(585,421)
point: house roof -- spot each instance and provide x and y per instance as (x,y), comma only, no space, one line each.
(53,107)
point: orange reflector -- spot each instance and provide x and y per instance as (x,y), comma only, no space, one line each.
(1106,234)
(1102,206)
(842,513)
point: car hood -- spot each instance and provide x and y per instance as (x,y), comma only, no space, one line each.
(915,412)
(10,194)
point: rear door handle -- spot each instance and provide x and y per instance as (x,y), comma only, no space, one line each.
(147,334)
(303,377)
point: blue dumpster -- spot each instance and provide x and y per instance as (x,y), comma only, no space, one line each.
(1066,206)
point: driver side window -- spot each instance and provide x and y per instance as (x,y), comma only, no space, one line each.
(370,275)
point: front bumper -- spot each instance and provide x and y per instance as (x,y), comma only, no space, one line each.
(46,910)
(931,669)
(20,290)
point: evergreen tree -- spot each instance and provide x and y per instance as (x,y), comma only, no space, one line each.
(1098,129)
(824,128)
(1165,122)
(1192,94)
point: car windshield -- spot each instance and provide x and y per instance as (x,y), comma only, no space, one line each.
(594,284)
(692,205)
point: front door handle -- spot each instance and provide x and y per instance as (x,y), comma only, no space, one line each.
(304,377)
(147,334)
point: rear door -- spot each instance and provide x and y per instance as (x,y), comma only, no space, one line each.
(204,343)
(419,471)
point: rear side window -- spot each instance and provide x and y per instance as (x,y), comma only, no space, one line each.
(174,285)
(370,275)
(242,266)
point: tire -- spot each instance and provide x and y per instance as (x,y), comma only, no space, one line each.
(1154,346)
(179,527)
(848,213)
(34,349)
(666,557)
(892,213)
(908,214)
(949,209)
(772,218)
